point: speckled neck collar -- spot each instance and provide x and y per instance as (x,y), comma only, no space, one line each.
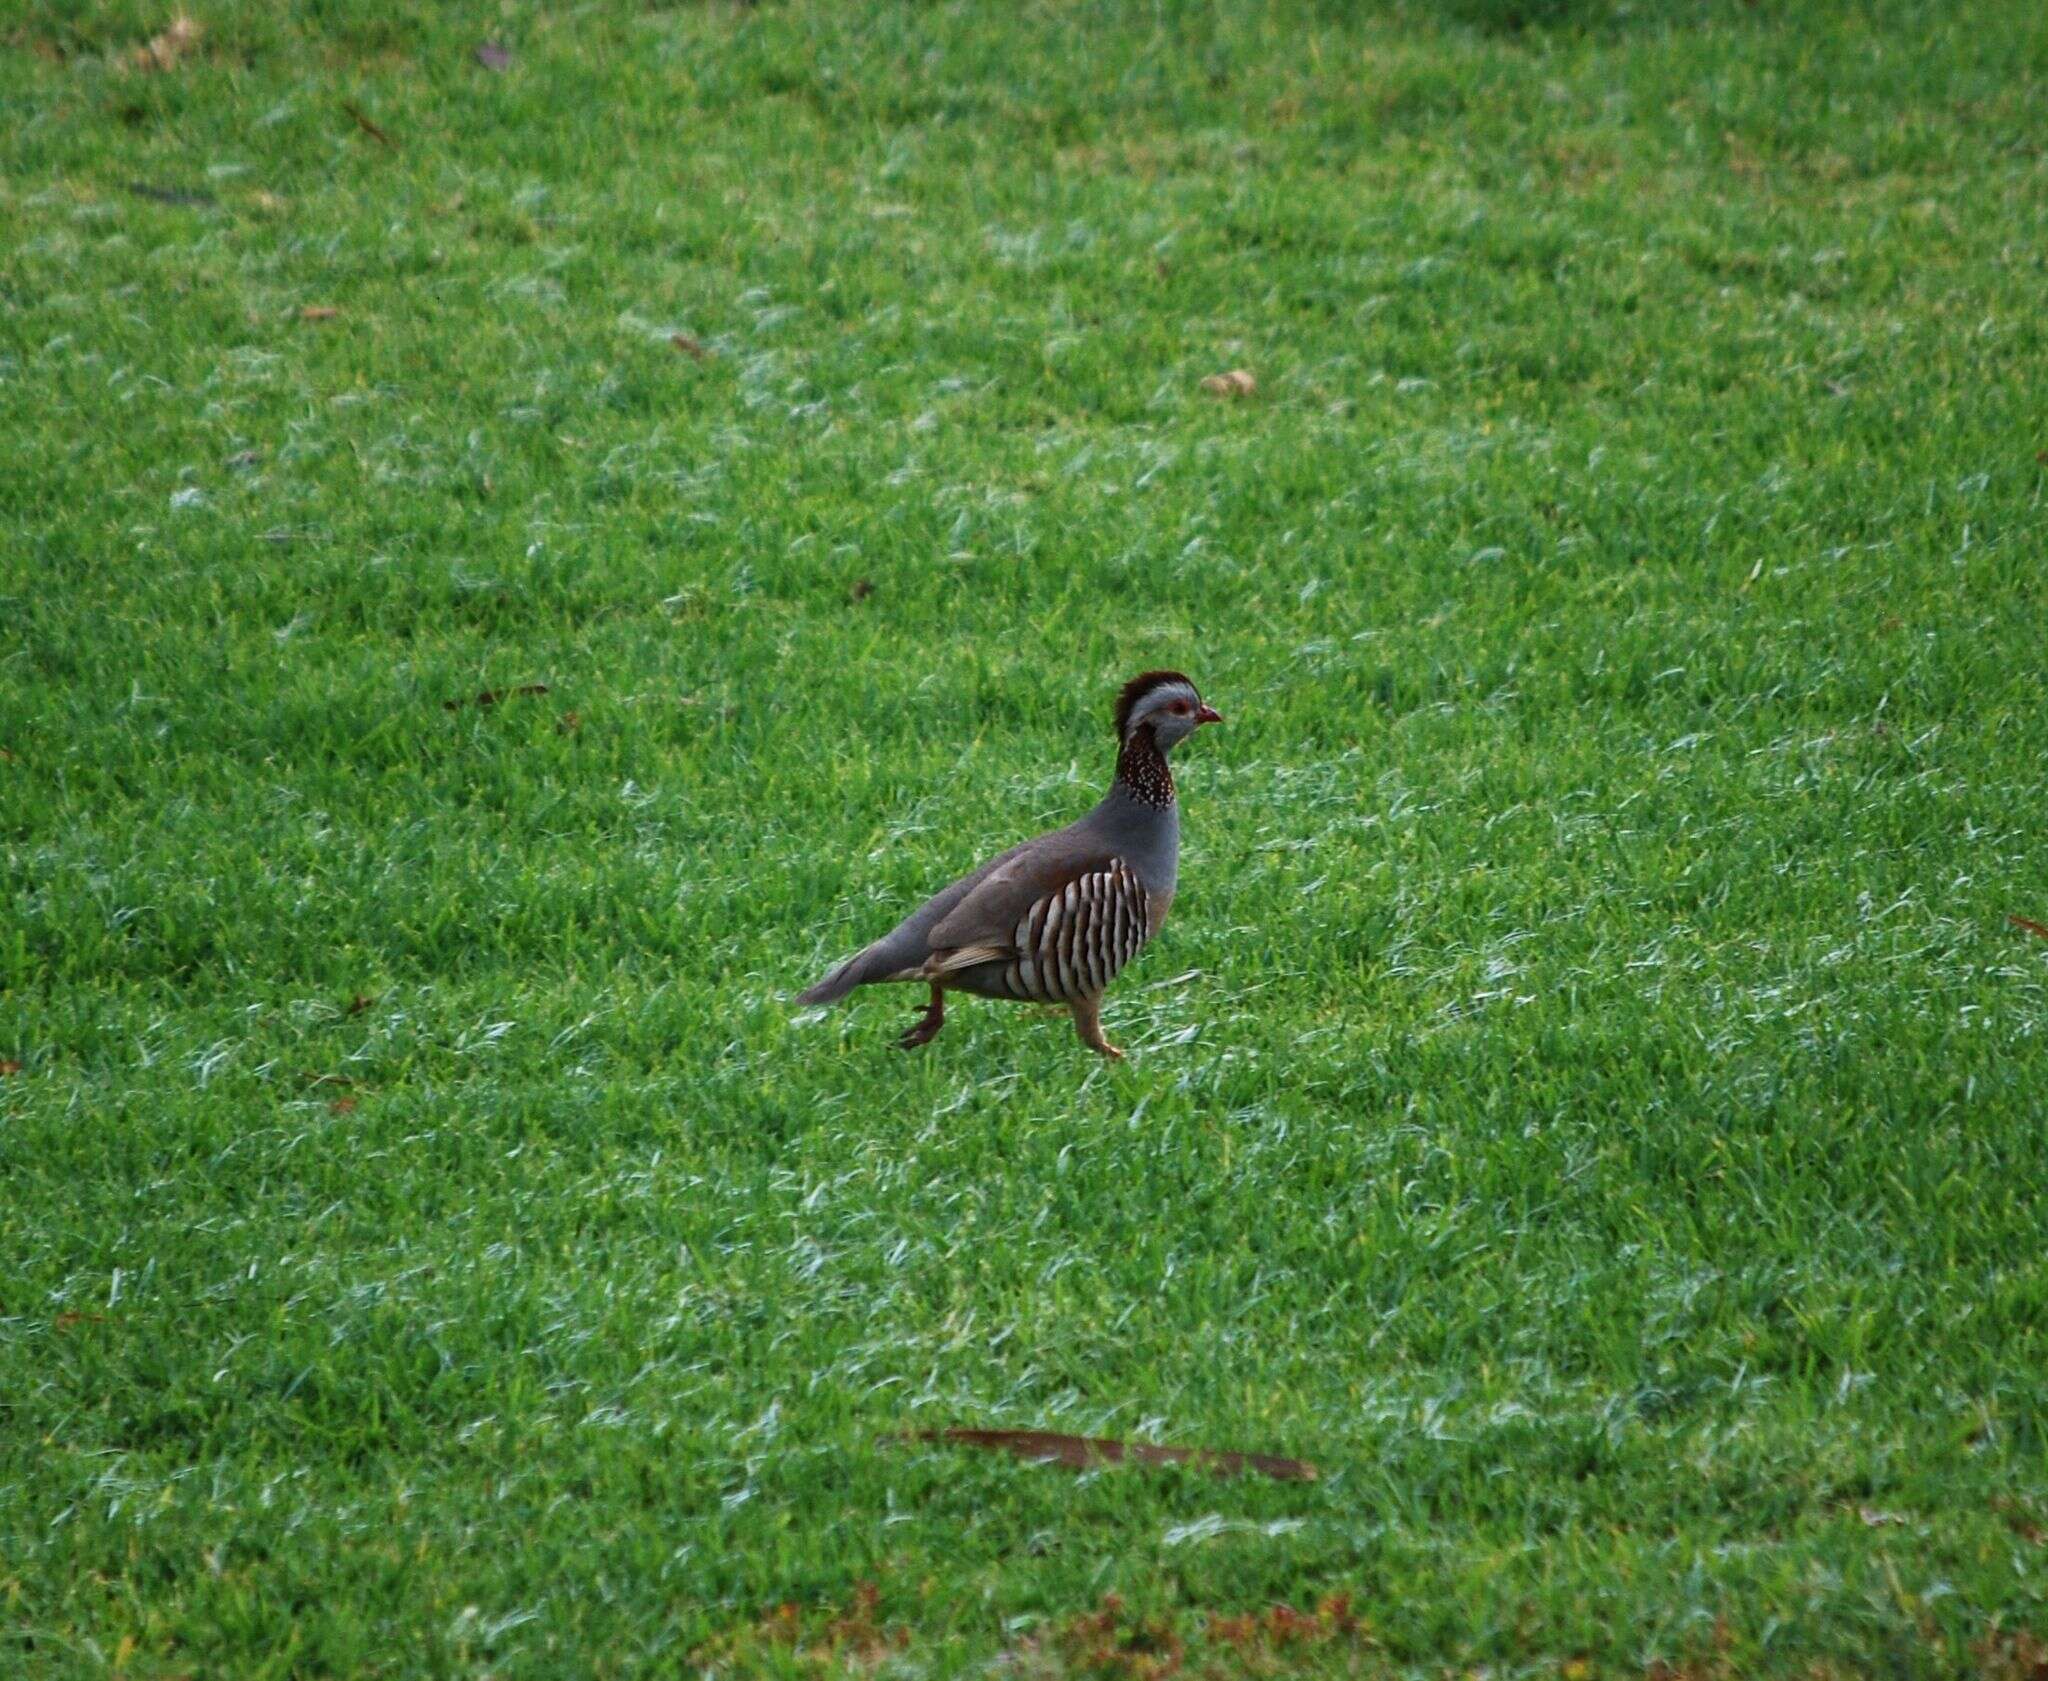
(1141,769)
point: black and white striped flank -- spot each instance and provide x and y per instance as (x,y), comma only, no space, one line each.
(1071,943)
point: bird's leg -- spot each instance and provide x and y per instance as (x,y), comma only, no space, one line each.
(928,1024)
(1088,1023)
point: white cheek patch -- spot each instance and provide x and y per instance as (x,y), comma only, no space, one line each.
(1158,707)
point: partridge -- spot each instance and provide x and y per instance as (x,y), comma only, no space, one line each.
(1054,920)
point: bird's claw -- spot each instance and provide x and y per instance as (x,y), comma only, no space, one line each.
(923,1031)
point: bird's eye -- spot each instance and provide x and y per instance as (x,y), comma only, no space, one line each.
(1182,708)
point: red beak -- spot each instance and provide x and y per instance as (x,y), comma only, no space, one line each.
(1208,715)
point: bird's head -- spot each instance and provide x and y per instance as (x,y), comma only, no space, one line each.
(1164,702)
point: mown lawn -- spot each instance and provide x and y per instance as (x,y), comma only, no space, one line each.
(1591,1098)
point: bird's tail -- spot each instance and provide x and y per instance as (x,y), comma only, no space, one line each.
(836,985)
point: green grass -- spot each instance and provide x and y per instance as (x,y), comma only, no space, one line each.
(1590,1098)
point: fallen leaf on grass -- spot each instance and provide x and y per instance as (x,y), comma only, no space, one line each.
(1237,383)
(2037,929)
(64,1321)
(695,349)
(343,1106)
(491,697)
(569,723)
(185,198)
(358,1004)
(1102,1643)
(368,127)
(318,312)
(853,1638)
(9,1066)
(2012,1655)
(2021,1521)
(1283,1626)
(1085,1452)
(163,50)
(861,590)
(493,56)
(1112,1642)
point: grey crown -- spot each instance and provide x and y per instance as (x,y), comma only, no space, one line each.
(1054,920)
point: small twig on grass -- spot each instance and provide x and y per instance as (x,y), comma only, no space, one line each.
(1082,1453)
(368,127)
(491,697)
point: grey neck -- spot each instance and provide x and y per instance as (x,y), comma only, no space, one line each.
(1139,816)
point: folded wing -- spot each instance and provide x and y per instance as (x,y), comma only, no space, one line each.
(1053,935)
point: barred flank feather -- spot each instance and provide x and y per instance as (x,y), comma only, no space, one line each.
(1071,943)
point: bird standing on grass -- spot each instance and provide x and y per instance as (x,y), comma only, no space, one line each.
(1053,920)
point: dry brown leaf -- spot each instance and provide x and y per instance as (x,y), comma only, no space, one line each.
(358,1004)
(491,697)
(2012,1655)
(1103,1643)
(343,1106)
(695,349)
(64,1321)
(2037,929)
(1237,383)
(569,723)
(1086,1452)
(2021,1521)
(1283,1626)
(163,50)
(861,590)
(318,312)
(9,1066)
(854,1638)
